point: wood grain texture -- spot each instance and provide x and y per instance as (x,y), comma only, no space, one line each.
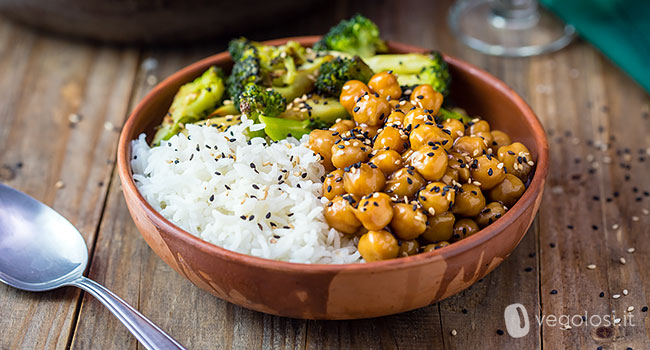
(43,81)
(583,101)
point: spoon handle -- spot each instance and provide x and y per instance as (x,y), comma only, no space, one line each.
(150,335)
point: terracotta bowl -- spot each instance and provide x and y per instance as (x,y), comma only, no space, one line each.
(347,291)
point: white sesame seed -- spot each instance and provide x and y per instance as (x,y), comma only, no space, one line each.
(591,266)
(616,296)
(630,308)
(74,118)
(645,211)
(108,126)
(635,218)
(625,292)
(152,79)
(631,250)
(454,332)
(622,261)
(432,211)
(59,184)
(617,320)
(615,227)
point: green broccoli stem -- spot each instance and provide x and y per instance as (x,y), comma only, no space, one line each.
(447,114)
(410,63)
(280,128)
(192,102)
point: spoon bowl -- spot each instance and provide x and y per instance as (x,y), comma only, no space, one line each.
(40,250)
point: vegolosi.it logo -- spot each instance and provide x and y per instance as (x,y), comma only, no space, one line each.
(518,322)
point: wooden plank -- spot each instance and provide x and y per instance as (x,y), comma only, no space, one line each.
(46,80)
(573,100)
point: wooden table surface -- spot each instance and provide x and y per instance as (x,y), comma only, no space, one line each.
(594,210)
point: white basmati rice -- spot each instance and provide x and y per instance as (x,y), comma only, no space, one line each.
(244,195)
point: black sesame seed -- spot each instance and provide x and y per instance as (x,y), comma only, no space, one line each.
(554,291)
(211,198)
(644,309)
(528,269)
(499,331)
(602,294)
(570,227)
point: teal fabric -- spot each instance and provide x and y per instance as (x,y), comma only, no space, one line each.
(619,28)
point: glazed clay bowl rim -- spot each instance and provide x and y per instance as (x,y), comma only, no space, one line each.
(484,235)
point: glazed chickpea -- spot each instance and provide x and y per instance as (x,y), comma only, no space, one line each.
(395,118)
(430,162)
(378,245)
(343,125)
(346,153)
(350,92)
(406,156)
(487,170)
(439,227)
(469,201)
(459,163)
(508,191)
(429,134)
(478,126)
(387,160)
(486,136)
(434,246)
(371,110)
(339,214)
(404,182)
(415,117)
(436,197)
(408,248)
(426,97)
(367,130)
(375,211)
(517,160)
(321,142)
(363,180)
(333,184)
(386,85)
(391,138)
(404,106)
(490,214)
(471,145)
(451,176)
(456,127)
(499,139)
(464,228)
(408,221)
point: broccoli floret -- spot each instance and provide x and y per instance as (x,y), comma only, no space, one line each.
(357,36)
(193,102)
(257,100)
(268,66)
(332,75)
(415,69)
(238,48)
(244,72)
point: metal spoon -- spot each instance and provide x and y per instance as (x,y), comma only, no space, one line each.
(40,250)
